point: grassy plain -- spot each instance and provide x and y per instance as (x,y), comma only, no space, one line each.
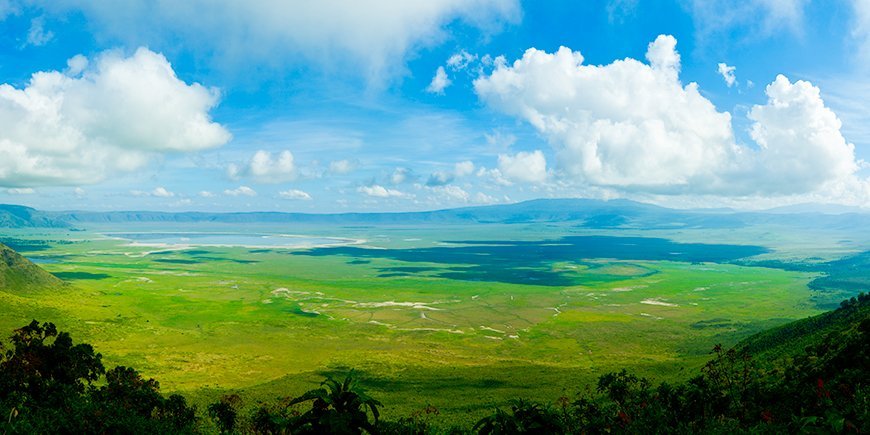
(472,316)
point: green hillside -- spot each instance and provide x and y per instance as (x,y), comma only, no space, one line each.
(794,338)
(19,275)
(18,216)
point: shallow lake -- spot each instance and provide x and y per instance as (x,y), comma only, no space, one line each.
(228,239)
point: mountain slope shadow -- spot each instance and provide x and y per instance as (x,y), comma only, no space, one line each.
(530,262)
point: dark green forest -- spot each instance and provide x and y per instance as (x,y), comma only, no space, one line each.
(809,376)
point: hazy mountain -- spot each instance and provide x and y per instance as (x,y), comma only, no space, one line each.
(581,212)
(818,208)
(17,216)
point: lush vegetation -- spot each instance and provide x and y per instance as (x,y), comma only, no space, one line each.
(48,385)
(479,320)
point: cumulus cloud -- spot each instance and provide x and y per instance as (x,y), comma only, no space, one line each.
(801,147)
(634,126)
(440,178)
(443,177)
(114,114)
(523,167)
(451,192)
(206,194)
(402,175)
(379,191)
(240,191)
(295,194)
(158,192)
(341,166)
(727,73)
(463,169)
(264,167)
(161,192)
(373,35)
(439,82)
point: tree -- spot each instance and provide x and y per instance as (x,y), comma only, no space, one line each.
(338,407)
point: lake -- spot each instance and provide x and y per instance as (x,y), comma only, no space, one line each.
(228,239)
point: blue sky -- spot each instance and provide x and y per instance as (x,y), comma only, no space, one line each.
(388,105)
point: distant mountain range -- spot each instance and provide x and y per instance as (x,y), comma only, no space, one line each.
(584,212)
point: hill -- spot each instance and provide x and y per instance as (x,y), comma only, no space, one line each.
(18,216)
(792,339)
(19,275)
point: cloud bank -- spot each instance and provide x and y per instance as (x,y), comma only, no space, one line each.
(635,127)
(112,114)
(375,35)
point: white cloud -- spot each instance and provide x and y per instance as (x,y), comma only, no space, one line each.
(442,177)
(374,36)
(266,168)
(115,115)
(379,191)
(341,166)
(240,191)
(482,198)
(79,192)
(20,191)
(402,175)
(161,192)
(494,175)
(663,56)
(800,140)
(295,194)
(439,82)
(463,169)
(635,127)
(861,28)
(76,65)
(498,140)
(206,194)
(37,36)
(727,73)
(460,61)
(158,192)
(623,124)
(451,192)
(524,167)
(757,18)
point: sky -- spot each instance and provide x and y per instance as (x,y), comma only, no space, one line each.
(390,105)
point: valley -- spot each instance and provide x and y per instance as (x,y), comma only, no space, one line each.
(536,309)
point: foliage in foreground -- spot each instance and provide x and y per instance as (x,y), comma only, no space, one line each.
(49,385)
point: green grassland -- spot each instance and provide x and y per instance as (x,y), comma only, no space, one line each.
(520,310)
